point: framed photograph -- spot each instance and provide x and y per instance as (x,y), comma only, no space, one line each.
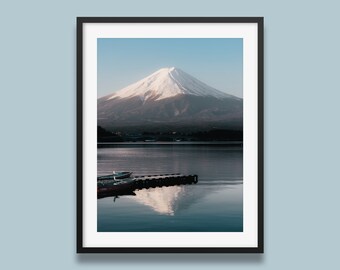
(170,135)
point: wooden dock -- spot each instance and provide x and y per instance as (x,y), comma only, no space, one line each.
(149,181)
(109,188)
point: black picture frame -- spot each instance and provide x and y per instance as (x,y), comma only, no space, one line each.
(259,22)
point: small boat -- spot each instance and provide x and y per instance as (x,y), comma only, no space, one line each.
(115,185)
(115,176)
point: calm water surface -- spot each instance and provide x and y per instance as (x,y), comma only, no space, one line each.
(214,204)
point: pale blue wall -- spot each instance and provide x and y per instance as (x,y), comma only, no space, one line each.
(302,153)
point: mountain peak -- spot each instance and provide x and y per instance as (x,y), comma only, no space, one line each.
(168,68)
(165,83)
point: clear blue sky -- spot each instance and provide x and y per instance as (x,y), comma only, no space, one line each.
(217,62)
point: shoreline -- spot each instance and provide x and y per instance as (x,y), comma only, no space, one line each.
(173,143)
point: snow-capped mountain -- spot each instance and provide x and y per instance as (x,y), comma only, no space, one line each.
(167,99)
(166,83)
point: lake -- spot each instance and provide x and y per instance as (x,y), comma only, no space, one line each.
(214,204)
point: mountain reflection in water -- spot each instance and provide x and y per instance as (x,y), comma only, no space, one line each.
(164,200)
(170,200)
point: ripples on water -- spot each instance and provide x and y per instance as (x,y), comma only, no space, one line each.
(214,204)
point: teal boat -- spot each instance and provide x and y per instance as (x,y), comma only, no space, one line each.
(115,185)
(114,176)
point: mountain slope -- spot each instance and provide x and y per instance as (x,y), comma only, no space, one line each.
(166,100)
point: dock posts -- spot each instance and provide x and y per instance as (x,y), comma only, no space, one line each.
(152,181)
